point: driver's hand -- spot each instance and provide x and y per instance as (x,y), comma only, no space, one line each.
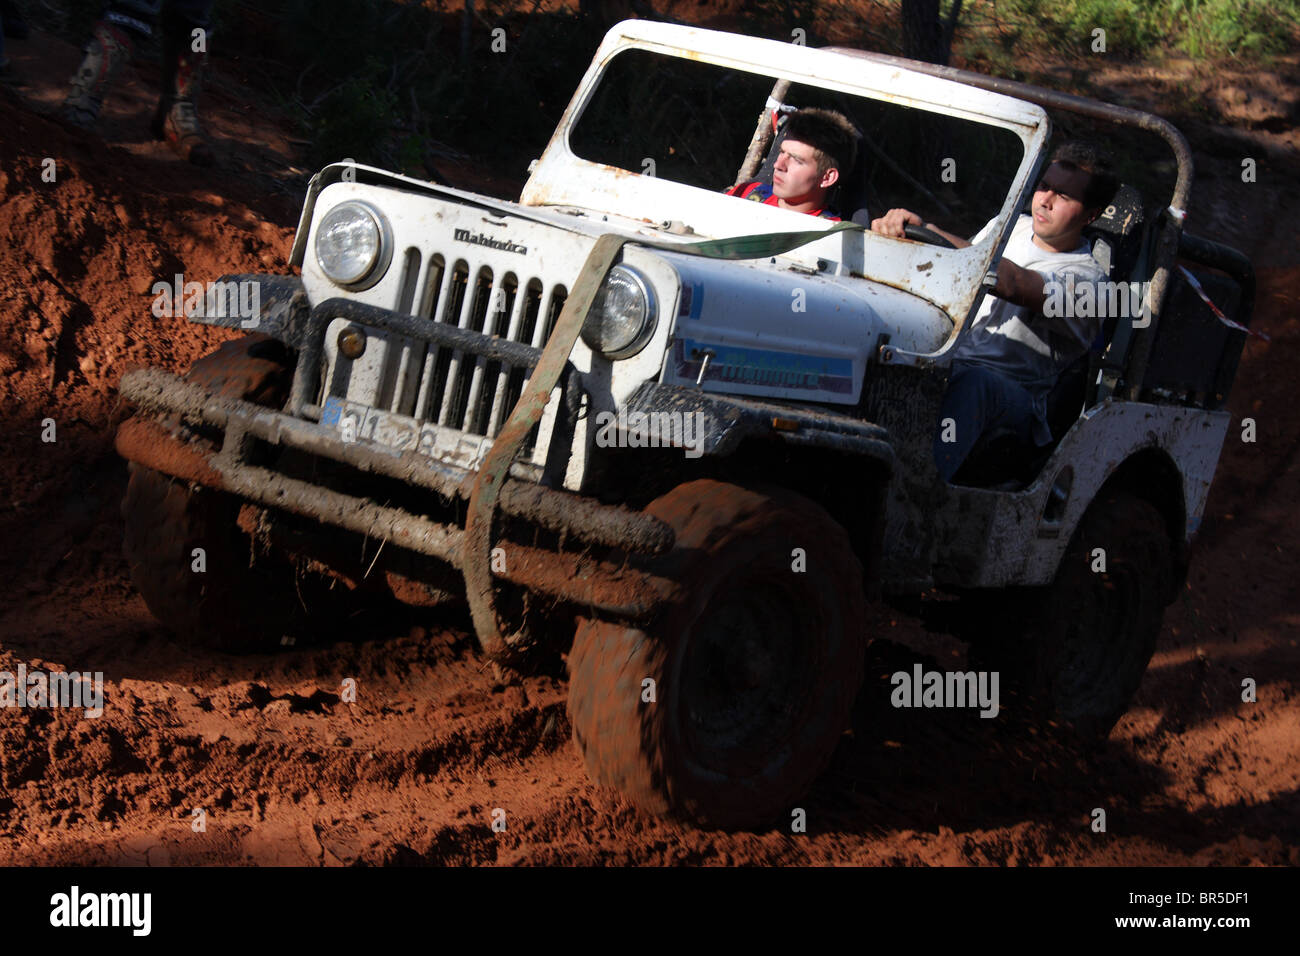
(892,222)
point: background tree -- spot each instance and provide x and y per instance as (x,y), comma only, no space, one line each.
(927,36)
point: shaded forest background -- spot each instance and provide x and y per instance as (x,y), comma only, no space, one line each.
(415,85)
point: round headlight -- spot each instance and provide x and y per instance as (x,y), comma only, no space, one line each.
(350,242)
(622,315)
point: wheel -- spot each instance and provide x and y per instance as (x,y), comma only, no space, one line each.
(754,668)
(1078,655)
(922,234)
(239,602)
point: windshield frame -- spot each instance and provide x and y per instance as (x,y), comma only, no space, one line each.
(948,278)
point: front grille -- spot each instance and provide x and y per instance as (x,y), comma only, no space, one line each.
(444,386)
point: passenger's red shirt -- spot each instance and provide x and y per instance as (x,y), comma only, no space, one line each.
(762,192)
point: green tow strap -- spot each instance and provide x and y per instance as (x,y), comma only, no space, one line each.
(752,247)
(476,554)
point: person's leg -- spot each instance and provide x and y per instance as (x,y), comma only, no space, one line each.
(977,400)
(110,47)
(15,24)
(184,55)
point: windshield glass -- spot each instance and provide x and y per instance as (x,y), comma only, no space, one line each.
(692,122)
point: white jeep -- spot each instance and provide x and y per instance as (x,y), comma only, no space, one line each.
(692,433)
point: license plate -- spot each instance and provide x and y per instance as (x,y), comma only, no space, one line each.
(357,422)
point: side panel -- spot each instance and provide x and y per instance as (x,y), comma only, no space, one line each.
(783,333)
(1021,546)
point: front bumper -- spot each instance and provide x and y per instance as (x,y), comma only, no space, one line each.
(581,579)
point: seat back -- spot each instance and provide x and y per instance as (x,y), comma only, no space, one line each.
(1116,235)
(1124,244)
(1195,355)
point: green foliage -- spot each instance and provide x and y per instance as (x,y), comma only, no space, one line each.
(1130,25)
(387,82)
(354,121)
(1134,28)
(1235,27)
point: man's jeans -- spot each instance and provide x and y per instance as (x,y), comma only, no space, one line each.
(978,399)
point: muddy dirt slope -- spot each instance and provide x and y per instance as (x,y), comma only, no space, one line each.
(286,771)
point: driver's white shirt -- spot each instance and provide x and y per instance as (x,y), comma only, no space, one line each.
(1027,347)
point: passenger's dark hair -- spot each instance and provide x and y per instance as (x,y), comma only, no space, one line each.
(1093,160)
(830,133)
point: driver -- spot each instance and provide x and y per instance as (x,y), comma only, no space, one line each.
(819,146)
(1004,368)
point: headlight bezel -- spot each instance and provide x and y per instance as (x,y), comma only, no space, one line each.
(648,325)
(379,264)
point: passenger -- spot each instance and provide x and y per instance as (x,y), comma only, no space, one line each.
(1008,362)
(819,146)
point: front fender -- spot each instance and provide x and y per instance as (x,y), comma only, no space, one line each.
(282,308)
(724,421)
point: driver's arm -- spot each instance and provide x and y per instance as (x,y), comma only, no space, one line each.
(1021,286)
(892,223)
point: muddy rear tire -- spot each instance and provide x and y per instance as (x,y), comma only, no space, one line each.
(755,668)
(241,601)
(1076,659)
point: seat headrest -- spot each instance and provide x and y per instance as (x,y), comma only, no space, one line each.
(1123,216)
(764,173)
(1114,235)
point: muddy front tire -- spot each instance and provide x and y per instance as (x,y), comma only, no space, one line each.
(240,601)
(726,708)
(236,603)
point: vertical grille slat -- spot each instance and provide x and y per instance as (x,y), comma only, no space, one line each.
(498,309)
(459,315)
(435,290)
(518,305)
(479,406)
(397,389)
(456,403)
(546,320)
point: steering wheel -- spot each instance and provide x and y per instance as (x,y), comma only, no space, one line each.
(921,234)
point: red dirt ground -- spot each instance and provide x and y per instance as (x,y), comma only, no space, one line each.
(289,773)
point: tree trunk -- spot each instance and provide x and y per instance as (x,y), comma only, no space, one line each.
(467,16)
(925,36)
